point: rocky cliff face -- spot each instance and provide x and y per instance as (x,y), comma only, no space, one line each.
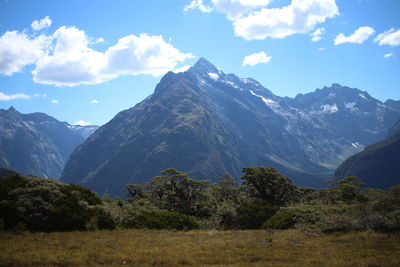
(35,143)
(208,123)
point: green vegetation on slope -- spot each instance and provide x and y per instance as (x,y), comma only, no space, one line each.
(378,165)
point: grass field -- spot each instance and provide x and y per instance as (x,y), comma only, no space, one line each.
(199,248)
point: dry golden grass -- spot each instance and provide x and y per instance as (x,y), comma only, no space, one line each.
(199,248)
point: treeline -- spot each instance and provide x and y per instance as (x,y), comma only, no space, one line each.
(265,199)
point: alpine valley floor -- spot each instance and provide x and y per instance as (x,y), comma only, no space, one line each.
(200,248)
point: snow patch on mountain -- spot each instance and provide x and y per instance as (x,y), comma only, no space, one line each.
(329,108)
(269,102)
(213,75)
(363,96)
(232,84)
(351,106)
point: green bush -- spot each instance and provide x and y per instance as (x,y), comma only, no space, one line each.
(282,220)
(49,205)
(251,215)
(164,219)
(104,220)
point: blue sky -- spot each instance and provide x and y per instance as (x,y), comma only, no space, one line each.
(88,60)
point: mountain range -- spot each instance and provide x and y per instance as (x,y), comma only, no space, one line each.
(207,123)
(36,143)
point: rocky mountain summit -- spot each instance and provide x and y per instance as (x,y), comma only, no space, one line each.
(208,123)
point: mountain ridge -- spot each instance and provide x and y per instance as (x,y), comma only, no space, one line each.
(35,143)
(206,122)
(378,165)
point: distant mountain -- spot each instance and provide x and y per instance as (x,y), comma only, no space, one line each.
(393,104)
(84,131)
(35,143)
(378,165)
(336,122)
(208,123)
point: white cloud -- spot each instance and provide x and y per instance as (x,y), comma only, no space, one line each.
(316,35)
(388,55)
(74,63)
(41,24)
(358,37)
(18,50)
(237,8)
(301,16)
(54,101)
(182,69)
(82,123)
(39,95)
(94,101)
(321,49)
(197,4)
(66,59)
(256,58)
(99,40)
(142,54)
(390,37)
(5,97)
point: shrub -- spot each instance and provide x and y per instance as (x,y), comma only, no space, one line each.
(251,215)
(164,219)
(49,205)
(104,220)
(284,219)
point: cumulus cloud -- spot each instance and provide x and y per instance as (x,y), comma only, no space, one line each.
(65,58)
(94,101)
(71,62)
(54,101)
(197,4)
(6,97)
(388,55)
(321,49)
(142,54)
(82,123)
(358,37)
(256,58)
(182,69)
(317,34)
(18,50)
(253,20)
(37,25)
(390,37)
(301,16)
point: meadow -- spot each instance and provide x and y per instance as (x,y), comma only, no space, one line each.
(200,248)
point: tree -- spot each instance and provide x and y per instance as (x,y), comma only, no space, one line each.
(226,189)
(350,188)
(173,190)
(269,185)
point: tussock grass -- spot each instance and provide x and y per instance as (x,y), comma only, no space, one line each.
(200,248)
